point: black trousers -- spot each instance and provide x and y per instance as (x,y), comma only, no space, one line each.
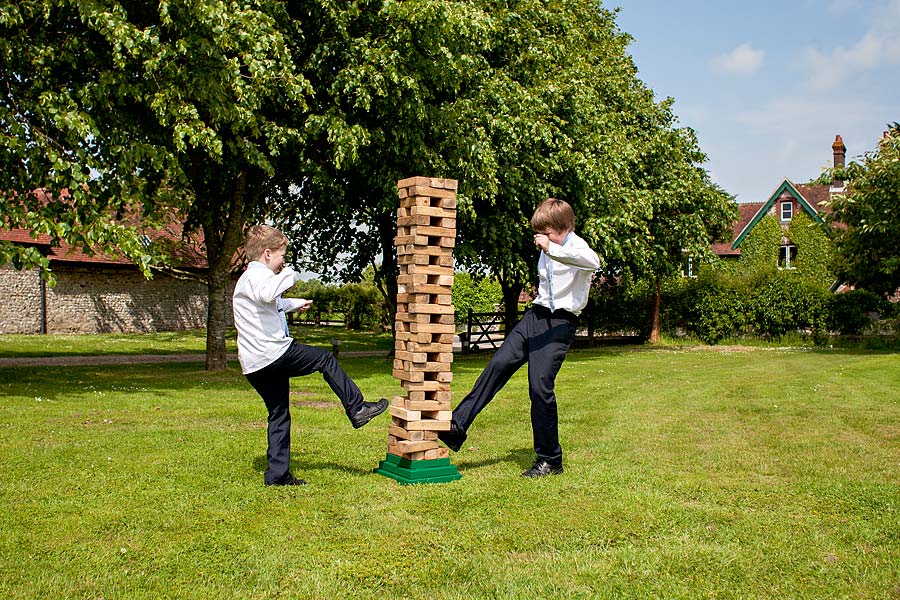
(273,383)
(541,339)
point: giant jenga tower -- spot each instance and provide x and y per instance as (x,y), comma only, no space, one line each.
(426,234)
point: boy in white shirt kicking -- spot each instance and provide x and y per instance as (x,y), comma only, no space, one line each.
(542,338)
(269,357)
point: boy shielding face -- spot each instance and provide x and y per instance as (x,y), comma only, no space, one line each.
(552,221)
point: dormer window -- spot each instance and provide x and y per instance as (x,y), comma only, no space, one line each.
(787,210)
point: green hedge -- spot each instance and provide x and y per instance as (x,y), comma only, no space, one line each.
(720,305)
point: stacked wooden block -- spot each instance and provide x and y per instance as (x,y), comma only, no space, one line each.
(426,234)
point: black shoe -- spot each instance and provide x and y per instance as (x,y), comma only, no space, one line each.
(369,411)
(542,468)
(289,480)
(454,438)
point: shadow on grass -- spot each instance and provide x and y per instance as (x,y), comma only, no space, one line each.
(260,463)
(523,457)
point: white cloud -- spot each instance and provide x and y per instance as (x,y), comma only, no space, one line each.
(877,48)
(743,60)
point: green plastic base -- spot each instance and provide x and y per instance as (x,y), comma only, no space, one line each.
(418,471)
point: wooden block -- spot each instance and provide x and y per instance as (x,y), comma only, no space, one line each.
(428,425)
(414,269)
(406,415)
(414,347)
(408,375)
(424,386)
(436,454)
(448,202)
(401,433)
(436,212)
(415,240)
(431,309)
(411,446)
(430,192)
(437,415)
(433,328)
(424,287)
(441,232)
(427,405)
(449,184)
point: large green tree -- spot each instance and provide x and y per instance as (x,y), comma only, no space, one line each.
(868,253)
(182,109)
(519,101)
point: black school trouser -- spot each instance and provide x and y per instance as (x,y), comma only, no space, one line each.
(273,383)
(541,339)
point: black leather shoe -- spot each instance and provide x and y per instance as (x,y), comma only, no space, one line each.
(289,480)
(454,438)
(369,411)
(541,468)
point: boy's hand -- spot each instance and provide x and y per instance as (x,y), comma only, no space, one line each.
(542,241)
(305,306)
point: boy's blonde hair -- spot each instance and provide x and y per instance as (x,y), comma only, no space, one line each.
(260,238)
(554,214)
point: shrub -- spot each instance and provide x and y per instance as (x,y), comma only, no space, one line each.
(719,310)
(478,294)
(852,312)
(785,302)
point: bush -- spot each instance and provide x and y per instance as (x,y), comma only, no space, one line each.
(363,306)
(853,312)
(785,302)
(716,307)
(478,294)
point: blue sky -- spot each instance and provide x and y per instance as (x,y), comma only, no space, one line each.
(767,85)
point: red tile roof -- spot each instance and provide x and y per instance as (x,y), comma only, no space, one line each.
(747,211)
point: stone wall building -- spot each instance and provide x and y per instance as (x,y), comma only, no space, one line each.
(97,294)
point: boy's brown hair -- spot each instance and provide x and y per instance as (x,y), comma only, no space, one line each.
(554,214)
(260,238)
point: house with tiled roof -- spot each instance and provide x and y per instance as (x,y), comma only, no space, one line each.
(98,293)
(788,200)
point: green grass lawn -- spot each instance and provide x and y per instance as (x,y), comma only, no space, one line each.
(763,473)
(175,342)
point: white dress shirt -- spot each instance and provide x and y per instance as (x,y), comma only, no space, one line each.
(565,272)
(259,315)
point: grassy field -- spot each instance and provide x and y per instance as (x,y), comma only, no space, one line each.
(174,342)
(725,473)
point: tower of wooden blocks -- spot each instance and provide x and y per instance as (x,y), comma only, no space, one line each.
(426,234)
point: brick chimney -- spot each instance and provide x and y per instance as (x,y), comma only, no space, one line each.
(840,152)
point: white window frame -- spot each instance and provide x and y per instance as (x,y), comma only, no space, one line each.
(787,210)
(784,256)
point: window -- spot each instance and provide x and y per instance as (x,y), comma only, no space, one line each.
(787,210)
(689,267)
(787,257)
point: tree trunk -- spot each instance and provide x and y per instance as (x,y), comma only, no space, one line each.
(387,229)
(511,291)
(217,289)
(654,315)
(222,243)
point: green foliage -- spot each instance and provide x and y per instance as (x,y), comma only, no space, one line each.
(363,306)
(759,249)
(854,311)
(784,303)
(360,305)
(814,249)
(478,294)
(719,310)
(618,305)
(869,255)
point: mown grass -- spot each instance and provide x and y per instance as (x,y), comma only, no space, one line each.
(744,473)
(175,342)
